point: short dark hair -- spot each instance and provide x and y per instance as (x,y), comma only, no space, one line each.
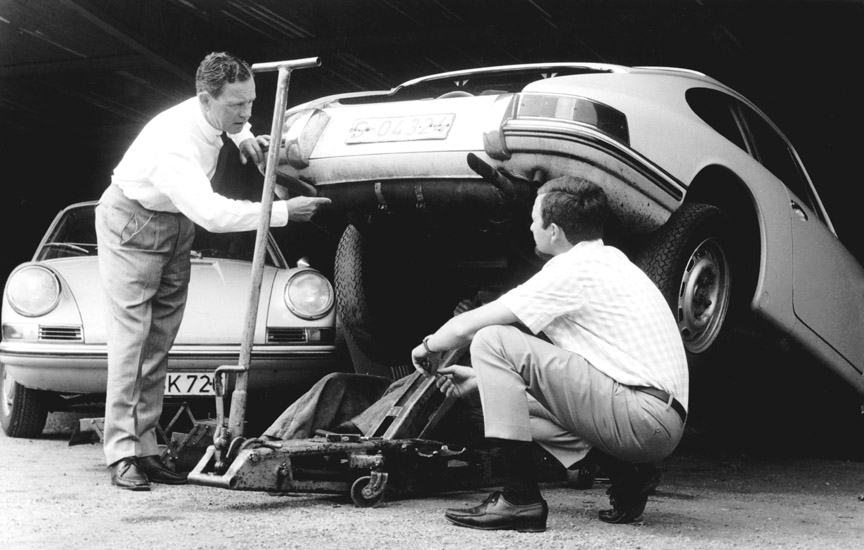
(576,205)
(218,69)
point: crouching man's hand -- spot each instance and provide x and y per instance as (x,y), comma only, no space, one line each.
(456,381)
(425,360)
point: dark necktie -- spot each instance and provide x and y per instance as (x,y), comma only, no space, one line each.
(221,160)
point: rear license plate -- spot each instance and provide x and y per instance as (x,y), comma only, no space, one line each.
(402,128)
(189,383)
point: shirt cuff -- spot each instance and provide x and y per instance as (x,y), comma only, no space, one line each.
(279,214)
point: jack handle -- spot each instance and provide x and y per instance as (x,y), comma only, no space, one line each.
(238,402)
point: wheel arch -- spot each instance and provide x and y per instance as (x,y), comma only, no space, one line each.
(720,187)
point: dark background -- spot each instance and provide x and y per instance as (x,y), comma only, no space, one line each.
(79,78)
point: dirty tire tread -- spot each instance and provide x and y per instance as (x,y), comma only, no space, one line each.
(669,244)
(351,292)
(28,414)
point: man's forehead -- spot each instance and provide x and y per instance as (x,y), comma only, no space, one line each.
(238,91)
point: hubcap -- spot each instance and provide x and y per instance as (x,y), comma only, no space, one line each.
(703,297)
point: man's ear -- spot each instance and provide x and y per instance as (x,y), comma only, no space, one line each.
(555,229)
(205,99)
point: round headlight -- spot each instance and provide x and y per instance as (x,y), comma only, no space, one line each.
(309,295)
(33,291)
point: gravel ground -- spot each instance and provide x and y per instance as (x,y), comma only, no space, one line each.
(56,496)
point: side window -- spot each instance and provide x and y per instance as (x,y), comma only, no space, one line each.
(775,155)
(715,108)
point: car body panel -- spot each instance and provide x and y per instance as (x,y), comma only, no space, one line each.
(808,286)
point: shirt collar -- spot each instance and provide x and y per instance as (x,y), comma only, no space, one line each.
(211,134)
(578,247)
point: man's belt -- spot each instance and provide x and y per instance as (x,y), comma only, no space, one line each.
(665,397)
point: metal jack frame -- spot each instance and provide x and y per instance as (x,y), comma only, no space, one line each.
(229,429)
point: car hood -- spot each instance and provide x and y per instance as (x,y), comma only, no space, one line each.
(215,309)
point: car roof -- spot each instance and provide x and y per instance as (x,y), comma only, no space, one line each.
(567,67)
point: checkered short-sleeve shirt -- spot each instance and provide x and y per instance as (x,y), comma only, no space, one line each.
(592,301)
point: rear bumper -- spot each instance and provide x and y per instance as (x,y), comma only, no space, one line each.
(84,368)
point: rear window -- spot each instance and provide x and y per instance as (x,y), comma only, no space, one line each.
(480,83)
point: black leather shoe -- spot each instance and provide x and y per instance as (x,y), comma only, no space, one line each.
(158,472)
(631,514)
(126,474)
(628,495)
(496,513)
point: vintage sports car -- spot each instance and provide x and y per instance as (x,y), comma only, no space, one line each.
(53,351)
(436,177)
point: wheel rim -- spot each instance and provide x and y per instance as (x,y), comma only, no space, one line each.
(703,297)
(7,392)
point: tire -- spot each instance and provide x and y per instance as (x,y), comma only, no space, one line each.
(390,292)
(690,261)
(23,411)
(351,291)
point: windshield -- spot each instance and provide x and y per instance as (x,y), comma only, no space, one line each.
(74,235)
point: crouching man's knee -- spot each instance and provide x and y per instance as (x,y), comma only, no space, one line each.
(490,339)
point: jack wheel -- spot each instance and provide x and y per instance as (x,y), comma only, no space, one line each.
(368,491)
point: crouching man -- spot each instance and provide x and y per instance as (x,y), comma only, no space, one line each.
(614,377)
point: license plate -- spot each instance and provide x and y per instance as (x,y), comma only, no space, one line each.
(189,383)
(401,128)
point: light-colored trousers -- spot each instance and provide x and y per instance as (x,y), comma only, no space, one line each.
(533,390)
(145,268)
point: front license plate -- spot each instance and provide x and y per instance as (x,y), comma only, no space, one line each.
(188,383)
(401,128)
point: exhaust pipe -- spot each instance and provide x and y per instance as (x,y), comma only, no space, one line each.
(484,170)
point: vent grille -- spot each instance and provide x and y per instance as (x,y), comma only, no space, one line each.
(301,336)
(61,334)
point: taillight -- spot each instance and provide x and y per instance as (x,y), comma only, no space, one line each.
(302,131)
(526,106)
(502,110)
(611,122)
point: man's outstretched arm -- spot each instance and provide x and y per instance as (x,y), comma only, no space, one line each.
(458,332)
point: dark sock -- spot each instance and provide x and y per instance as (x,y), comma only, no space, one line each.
(521,485)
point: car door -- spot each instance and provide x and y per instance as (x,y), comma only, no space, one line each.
(828,282)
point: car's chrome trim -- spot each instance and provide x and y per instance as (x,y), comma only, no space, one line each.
(598,67)
(28,351)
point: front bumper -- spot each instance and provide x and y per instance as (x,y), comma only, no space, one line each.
(84,368)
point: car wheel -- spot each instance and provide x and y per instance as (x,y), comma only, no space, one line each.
(390,292)
(22,411)
(351,291)
(689,260)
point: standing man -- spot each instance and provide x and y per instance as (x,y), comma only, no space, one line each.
(145,227)
(614,377)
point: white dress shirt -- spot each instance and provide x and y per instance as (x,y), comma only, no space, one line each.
(592,301)
(168,169)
